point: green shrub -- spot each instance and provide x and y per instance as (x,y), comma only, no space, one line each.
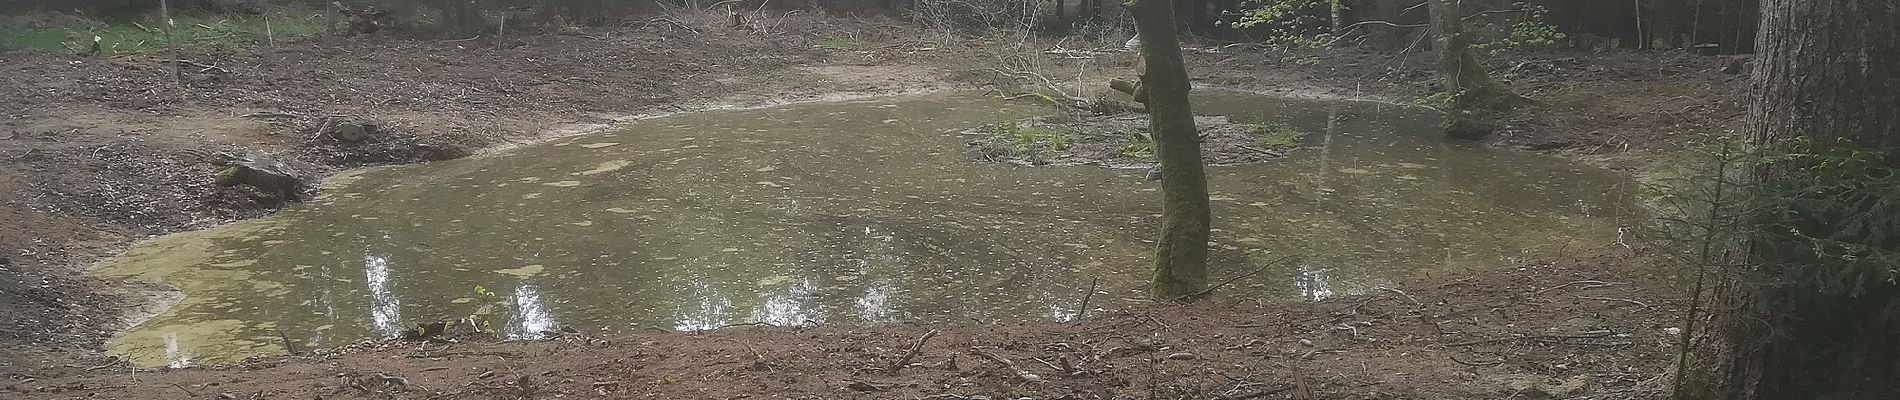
(1274,135)
(1140,149)
(134,37)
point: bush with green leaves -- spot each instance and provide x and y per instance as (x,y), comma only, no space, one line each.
(1530,32)
(1835,225)
(1289,23)
(1018,141)
(1274,134)
(1141,149)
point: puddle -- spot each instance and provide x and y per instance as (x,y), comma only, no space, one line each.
(846,213)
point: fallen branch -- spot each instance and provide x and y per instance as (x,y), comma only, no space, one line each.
(914,349)
(202,68)
(187,391)
(1025,375)
(461,40)
(1638,303)
(1084,309)
(1077,102)
(1052,366)
(1259,394)
(1454,358)
(1408,297)
(268,114)
(1587,285)
(1269,153)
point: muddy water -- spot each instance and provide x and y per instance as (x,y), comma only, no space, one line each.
(839,213)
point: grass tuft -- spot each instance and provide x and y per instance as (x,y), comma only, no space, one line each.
(187,33)
(1274,135)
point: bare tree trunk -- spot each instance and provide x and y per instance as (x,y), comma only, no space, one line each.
(1337,9)
(1827,74)
(165,21)
(1474,94)
(1642,42)
(1181,255)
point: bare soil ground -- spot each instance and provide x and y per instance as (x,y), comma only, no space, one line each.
(97,153)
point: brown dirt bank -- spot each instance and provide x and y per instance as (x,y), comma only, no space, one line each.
(96,153)
(1559,329)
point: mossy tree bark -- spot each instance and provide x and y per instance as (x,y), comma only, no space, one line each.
(1181,256)
(1475,96)
(1827,74)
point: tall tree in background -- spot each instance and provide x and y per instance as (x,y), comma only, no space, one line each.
(1817,313)
(1474,95)
(1181,255)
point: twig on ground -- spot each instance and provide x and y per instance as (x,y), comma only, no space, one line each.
(1083,311)
(187,391)
(1454,358)
(1587,284)
(1638,303)
(1051,365)
(755,352)
(268,114)
(470,39)
(95,152)
(202,68)
(1025,375)
(1269,153)
(1259,394)
(914,349)
(675,23)
(1408,297)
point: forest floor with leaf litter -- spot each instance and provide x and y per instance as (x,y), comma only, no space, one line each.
(98,152)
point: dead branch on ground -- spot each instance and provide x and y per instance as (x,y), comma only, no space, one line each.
(1011,365)
(914,349)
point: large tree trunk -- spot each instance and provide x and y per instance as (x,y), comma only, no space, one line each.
(1181,255)
(1475,96)
(1827,75)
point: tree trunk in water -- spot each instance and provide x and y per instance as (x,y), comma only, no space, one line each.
(1475,96)
(1181,255)
(1827,73)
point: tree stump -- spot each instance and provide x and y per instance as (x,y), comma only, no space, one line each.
(351,132)
(272,177)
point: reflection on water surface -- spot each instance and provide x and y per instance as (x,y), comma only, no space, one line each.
(839,213)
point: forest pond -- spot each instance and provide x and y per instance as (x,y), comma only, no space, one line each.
(843,213)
